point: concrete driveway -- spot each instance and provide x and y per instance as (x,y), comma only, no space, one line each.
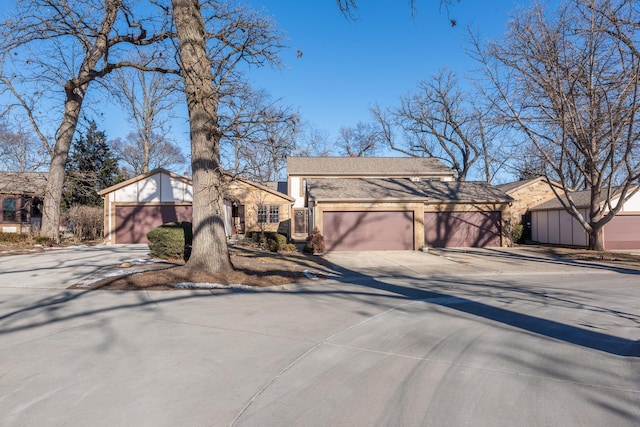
(402,340)
(60,268)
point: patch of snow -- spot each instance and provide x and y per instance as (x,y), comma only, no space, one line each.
(310,275)
(57,248)
(191,285)
(146,261)
(93,279)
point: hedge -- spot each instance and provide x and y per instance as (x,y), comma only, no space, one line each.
(171,240)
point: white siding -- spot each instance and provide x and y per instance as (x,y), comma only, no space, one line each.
(294,185)
(579,234)
(565,228)
(557,227)
(156,188)
(149,189)
(126,194)
(554,226)
(633,204)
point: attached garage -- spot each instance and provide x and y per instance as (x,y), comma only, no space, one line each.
(374,214)
(368,230)
(462,229)
(133,208)
(134,222)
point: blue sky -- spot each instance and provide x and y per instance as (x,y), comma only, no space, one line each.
(348,66)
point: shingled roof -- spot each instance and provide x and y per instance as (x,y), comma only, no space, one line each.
(31,183)
(399,189)
(582,199)
(367,166)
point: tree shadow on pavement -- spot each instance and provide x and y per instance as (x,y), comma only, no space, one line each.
(349,284)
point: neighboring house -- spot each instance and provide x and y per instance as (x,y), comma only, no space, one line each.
(132,208)
(551,223)
(301,169)
(371,203)
(527,194)
(21,195)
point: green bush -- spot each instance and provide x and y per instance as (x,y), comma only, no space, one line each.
(276,242)
(171,241)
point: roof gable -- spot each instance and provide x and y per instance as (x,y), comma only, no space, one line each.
(512,187)
(367,166)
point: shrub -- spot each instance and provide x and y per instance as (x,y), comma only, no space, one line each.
(14,238)
(290,247)
(315,243)
(24,238)
(171,240)
(276,242)
(86,222)
(514,232)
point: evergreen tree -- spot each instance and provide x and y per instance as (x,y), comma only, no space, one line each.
(91,167)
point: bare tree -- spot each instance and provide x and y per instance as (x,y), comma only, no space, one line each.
(258,134)
(570,83)
(209,53)
(19,150)
(442,121)
(312,142)
(68,44)
(149,98)
(140,156)
(363,140)
(350,8)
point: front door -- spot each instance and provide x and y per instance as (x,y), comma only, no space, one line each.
(300,221)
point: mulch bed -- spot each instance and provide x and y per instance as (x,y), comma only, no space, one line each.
(254,267)
(255,275)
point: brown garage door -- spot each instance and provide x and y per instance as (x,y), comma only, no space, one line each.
(461,229)
(134,222)
(368,231)
(622,232)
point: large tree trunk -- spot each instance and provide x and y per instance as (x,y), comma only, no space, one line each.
(209,252)
(55,181)
(596,239)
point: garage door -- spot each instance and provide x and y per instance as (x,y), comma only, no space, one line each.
(622,232)
(134,222)
(461,229)
(368,231)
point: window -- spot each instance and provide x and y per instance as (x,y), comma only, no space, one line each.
(9,210)
(268,214)
(262,214)
(274,214)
